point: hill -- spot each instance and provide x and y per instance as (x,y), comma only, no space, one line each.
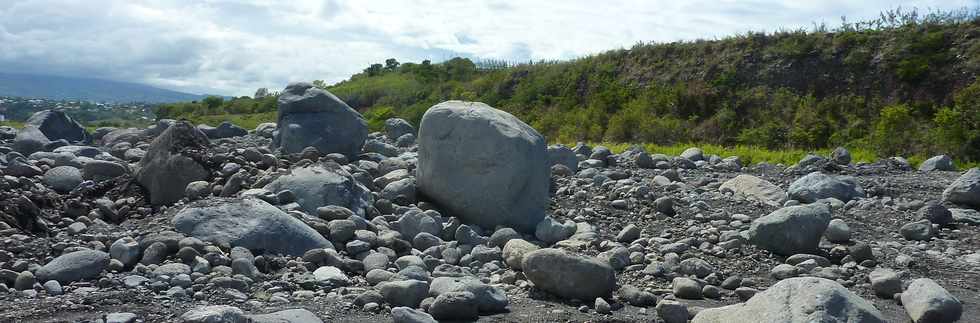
(903,84)
(86,89)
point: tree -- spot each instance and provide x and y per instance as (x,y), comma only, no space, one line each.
(373,70)
(261,93)
(213,103)
(391,64)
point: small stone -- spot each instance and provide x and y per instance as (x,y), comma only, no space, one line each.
(602,307)
(885,282)
(686,288)
(672,311)
(838,231)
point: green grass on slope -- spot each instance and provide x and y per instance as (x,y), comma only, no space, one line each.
(247,121)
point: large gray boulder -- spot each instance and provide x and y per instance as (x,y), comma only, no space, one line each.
(171,162)
(802,299)
(561,155)
(74,266)
(312,117)
(63,179)
(965,190)
(324,184)
(937,163)
(250,223)
(817,185)
(791,230)
(754,188)
(29,140)
(926,301)
(569,275)
(484,165)
(56,124)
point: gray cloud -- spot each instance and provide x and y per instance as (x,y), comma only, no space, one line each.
(234,46)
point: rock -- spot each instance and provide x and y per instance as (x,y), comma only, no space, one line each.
(331,275)
(25,280)
(266,130)
(686,288)
(171,162)
(569,275)
(400,189)
(296,315)
(697,267)
(561,155)
(250,223)
(410,315)
(937,163)
(754,188)
(396,128)
(312,117)
(121,318)
(500,237)
(20,167)
(841,156)
(965,190)
(100,170)
(63,179)
(817,185)
(324,184)
(838,231)
(7,132)
(672,311)
(56,124)
(454,306)
(971,217)
(488,299)
(215,314)
(801,299)
(885,282)
(515,250)
(936,213)
(126,250)
(693,154)
(926,301)
(484,165)
(197,190)
(791,230)
(224,130)
(404,292)
(74,266)
(550,231)
(29,140)
(628,234)
(917,231)
(636,297)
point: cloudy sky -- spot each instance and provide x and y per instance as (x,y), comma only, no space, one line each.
(232,47)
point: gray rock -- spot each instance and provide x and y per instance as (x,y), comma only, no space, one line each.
(63,179)
(121,318)
(56,124)
(74,266)
(408,293)
(569,275)
(403,314)
(484,165)
(20,167)
(965,190)
(817,185)
(628,234)
(170,164)
(686,288)
(126,250)
(841,156)
(53,288)
(885,282)
(838,231)
(24,281)
(937,163)
(29,140)
(224,130)
(693,154)
(215,314)
(312,117)
(488,299)
(791,230)
(561,155)
(324,184)
(917,231)
(637,297)
(926,301)
(401,189)
(7,132)
(250,223)
(971,217)
(754,188)
(396,128)
(515,250)
(100,170)
(936,213)
(331,275)
(550,231)
(197,190)
(266,130)
(500,237)
(296,315)
(801,299)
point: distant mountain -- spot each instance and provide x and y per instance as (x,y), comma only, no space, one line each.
(75,88)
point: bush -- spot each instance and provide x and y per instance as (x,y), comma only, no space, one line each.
(895,132)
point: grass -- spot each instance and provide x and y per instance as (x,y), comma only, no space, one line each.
(247,121)
(754,155)
(13,124)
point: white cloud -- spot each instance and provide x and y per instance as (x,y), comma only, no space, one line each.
(232,47)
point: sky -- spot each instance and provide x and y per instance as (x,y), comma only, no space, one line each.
(234,47)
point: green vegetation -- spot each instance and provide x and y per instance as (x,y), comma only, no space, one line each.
(243,111)
(903,84)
